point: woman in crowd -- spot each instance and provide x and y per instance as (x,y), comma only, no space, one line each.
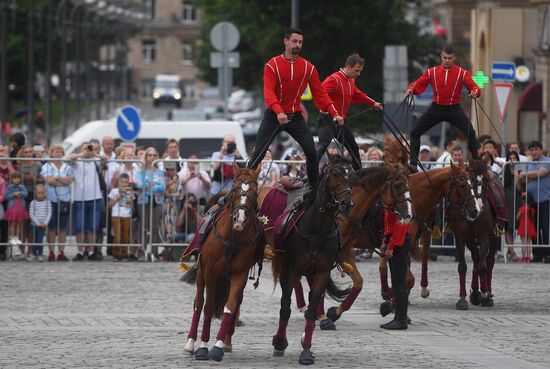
(6,169)
(58,176)
(30,170)
(150,181)
(374,154)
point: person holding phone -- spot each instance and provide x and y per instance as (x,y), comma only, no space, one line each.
(222,172)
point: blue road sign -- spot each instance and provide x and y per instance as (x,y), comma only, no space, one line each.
(128,123)
(503,71)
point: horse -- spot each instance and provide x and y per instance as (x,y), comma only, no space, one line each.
(481,239)
(426,190)
(229,250)
(310,249)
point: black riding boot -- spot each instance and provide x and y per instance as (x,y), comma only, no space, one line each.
(399,321)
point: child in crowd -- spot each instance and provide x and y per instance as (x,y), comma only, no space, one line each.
(121,201)
(526,227)
(40,212)
(16,211)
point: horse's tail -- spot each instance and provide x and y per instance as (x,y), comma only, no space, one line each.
(221,293)
(191,275)
(276,266)
(335,292)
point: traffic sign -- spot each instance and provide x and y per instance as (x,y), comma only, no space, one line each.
(522,73)
(502,94)
(233,60)
(224,36)
(503,71)
(128,123)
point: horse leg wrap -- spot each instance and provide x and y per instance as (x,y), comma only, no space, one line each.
(424,275)
(348,301)
(194,324)
(205,334)
(231,330)
(462,281)
(299,292)
(227,319)
(489,277)
(281,332)
(310,326)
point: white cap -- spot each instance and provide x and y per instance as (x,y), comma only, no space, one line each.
(425,148)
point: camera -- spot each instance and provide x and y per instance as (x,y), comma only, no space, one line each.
(231,147)
(90,148)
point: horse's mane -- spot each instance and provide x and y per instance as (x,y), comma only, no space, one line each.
(374,175)
(214,199)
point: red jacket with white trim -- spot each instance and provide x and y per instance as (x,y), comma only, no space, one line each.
(285,82)
(446,84)
(395,229)
(343,92)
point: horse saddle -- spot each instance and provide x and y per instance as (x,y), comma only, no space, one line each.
(205,226)
(285,223)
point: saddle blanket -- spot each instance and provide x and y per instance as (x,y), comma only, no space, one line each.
(284,224)
(274,204)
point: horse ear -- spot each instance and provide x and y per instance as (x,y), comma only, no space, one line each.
(236,168)
(257,171)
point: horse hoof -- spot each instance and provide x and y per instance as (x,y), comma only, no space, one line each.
(216,353)
(424,292)
(475,298)
(487,301)
(189,347)
(201,354)
(306,358)
(227,348)
(385,308)
(462,304)
(332,314)
(279,344)
(327,325)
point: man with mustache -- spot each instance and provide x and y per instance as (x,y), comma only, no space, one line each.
(286,76)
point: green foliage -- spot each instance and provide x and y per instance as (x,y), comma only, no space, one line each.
(332,31)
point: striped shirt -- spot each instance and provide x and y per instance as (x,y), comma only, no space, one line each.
(40,212)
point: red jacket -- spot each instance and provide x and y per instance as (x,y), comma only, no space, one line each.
(342,90)
(446,84)
(397,230)
(285,82)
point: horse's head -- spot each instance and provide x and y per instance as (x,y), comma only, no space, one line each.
(396,196)
(243,198)
(394,150)
(335,184)
(461,192)
(479,177)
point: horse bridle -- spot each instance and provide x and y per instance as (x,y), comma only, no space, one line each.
(342,171)
(234,208)
(389,186)
(462,197)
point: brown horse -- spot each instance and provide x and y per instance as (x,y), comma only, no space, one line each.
(480,238)
(228,252)
(310,249)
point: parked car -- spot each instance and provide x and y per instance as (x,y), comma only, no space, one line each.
(168,89)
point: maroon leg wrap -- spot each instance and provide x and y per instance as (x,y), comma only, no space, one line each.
(346,304)
(462,281)
(424,274)
(227,319)
(205,334)
(299,292)
(310,326)
(281,332)
(194,324)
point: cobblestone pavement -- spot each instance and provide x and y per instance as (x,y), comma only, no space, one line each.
(136,315)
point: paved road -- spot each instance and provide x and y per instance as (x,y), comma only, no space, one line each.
(136,315)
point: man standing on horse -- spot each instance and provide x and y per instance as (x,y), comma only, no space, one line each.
(447,80)
(341,88)
(286,77)
(396,248)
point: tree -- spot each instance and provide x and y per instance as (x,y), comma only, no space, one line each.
(332,30)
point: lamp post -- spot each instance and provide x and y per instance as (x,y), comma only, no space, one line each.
(3,69)
(48,94)
(30,72)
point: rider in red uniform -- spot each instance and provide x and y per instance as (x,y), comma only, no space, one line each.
(342,90)
(447,80)
(396,248)
(285,79)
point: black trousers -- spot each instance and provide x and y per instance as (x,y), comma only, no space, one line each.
(542,210)
(298,129)
(398,268)
(328,129)
(440,113)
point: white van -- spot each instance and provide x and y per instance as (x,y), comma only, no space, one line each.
(201,138)
(168,89)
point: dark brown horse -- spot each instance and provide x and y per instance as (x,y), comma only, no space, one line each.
(480,238)
(311,249)
(228,252)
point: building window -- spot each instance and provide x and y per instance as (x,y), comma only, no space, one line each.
(150,8)
(188,12)
(149,50)
(186,54)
